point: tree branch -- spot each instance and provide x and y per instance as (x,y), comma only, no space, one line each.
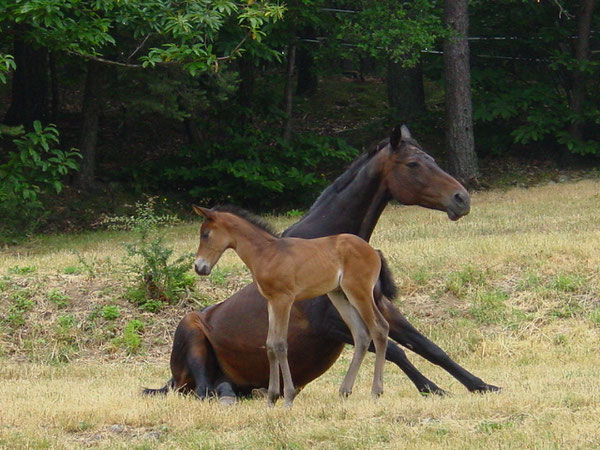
(138,48)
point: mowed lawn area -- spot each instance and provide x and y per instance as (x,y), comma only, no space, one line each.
(511,292)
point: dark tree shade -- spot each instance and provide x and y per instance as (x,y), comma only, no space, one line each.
(462,160)
(406,95)
(29,86)
(90,111)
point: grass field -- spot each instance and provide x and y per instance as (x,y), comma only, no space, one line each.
(511,292)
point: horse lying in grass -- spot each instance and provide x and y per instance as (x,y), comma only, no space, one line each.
(219,351)
(286,270)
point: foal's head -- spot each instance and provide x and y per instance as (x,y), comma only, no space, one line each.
(414,178)
(214,240)
(221,227)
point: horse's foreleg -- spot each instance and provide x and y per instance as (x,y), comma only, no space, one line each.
(279,316)
(405,334)
(335,328)
(360,338)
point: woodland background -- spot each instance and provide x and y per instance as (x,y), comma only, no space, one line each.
(262,103)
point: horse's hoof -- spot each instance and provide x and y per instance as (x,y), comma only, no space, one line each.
(227,400)
(376,394)
(486,388)
(437,391)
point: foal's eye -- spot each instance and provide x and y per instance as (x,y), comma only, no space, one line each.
(204,235)
(412,165)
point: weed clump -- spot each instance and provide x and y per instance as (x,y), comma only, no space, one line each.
(159,278)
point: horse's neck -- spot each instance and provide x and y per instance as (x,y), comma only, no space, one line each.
(355,209)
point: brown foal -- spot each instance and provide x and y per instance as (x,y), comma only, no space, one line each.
(292,269)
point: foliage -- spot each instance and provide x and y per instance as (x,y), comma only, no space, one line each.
(7,63)
(395,31)
(186,33)
(522,88)
(157,277)
(254,168)
(32,166)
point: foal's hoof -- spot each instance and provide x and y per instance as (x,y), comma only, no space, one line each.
(345,394)
(271,399)
(227,400)
(376,394)
(259,393)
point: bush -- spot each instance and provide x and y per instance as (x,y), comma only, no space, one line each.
(31,167)
(255,168)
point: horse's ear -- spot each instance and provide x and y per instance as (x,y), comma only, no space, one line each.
(395,137)
(405,133)
(206,213)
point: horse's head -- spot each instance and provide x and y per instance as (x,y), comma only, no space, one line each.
(413,178)
(214,240)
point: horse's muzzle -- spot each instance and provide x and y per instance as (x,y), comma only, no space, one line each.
(459,206)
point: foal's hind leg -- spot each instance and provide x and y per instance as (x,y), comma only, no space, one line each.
(360,296)
(360,335)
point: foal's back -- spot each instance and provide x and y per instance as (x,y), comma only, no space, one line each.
(313,267)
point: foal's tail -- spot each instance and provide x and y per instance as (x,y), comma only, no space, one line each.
(162,391)
(386,280)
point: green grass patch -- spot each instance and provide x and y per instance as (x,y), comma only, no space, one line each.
(60,299)
(22,270)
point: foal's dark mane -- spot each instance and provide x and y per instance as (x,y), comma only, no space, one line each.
(247,216)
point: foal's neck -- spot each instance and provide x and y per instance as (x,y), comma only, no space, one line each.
(249,241)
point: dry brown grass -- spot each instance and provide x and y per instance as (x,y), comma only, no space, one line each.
(510,291)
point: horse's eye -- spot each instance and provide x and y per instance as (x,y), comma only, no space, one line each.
(205,235)
(412,165)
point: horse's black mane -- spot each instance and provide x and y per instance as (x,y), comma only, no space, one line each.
(242,213)
(348,175)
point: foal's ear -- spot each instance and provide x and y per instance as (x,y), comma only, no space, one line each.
(206,213)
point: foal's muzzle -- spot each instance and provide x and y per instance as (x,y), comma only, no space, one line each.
(202,267)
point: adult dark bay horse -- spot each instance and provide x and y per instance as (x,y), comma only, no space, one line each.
(222,349)
(287,270)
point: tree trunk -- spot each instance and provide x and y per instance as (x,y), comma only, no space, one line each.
(462,160)
(406,95)
(90,111)
(29,86)
(582,53)
(288,93)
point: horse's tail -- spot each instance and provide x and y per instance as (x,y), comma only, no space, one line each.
(162,391)
(386,280)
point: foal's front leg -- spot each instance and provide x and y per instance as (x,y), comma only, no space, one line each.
(279,317)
